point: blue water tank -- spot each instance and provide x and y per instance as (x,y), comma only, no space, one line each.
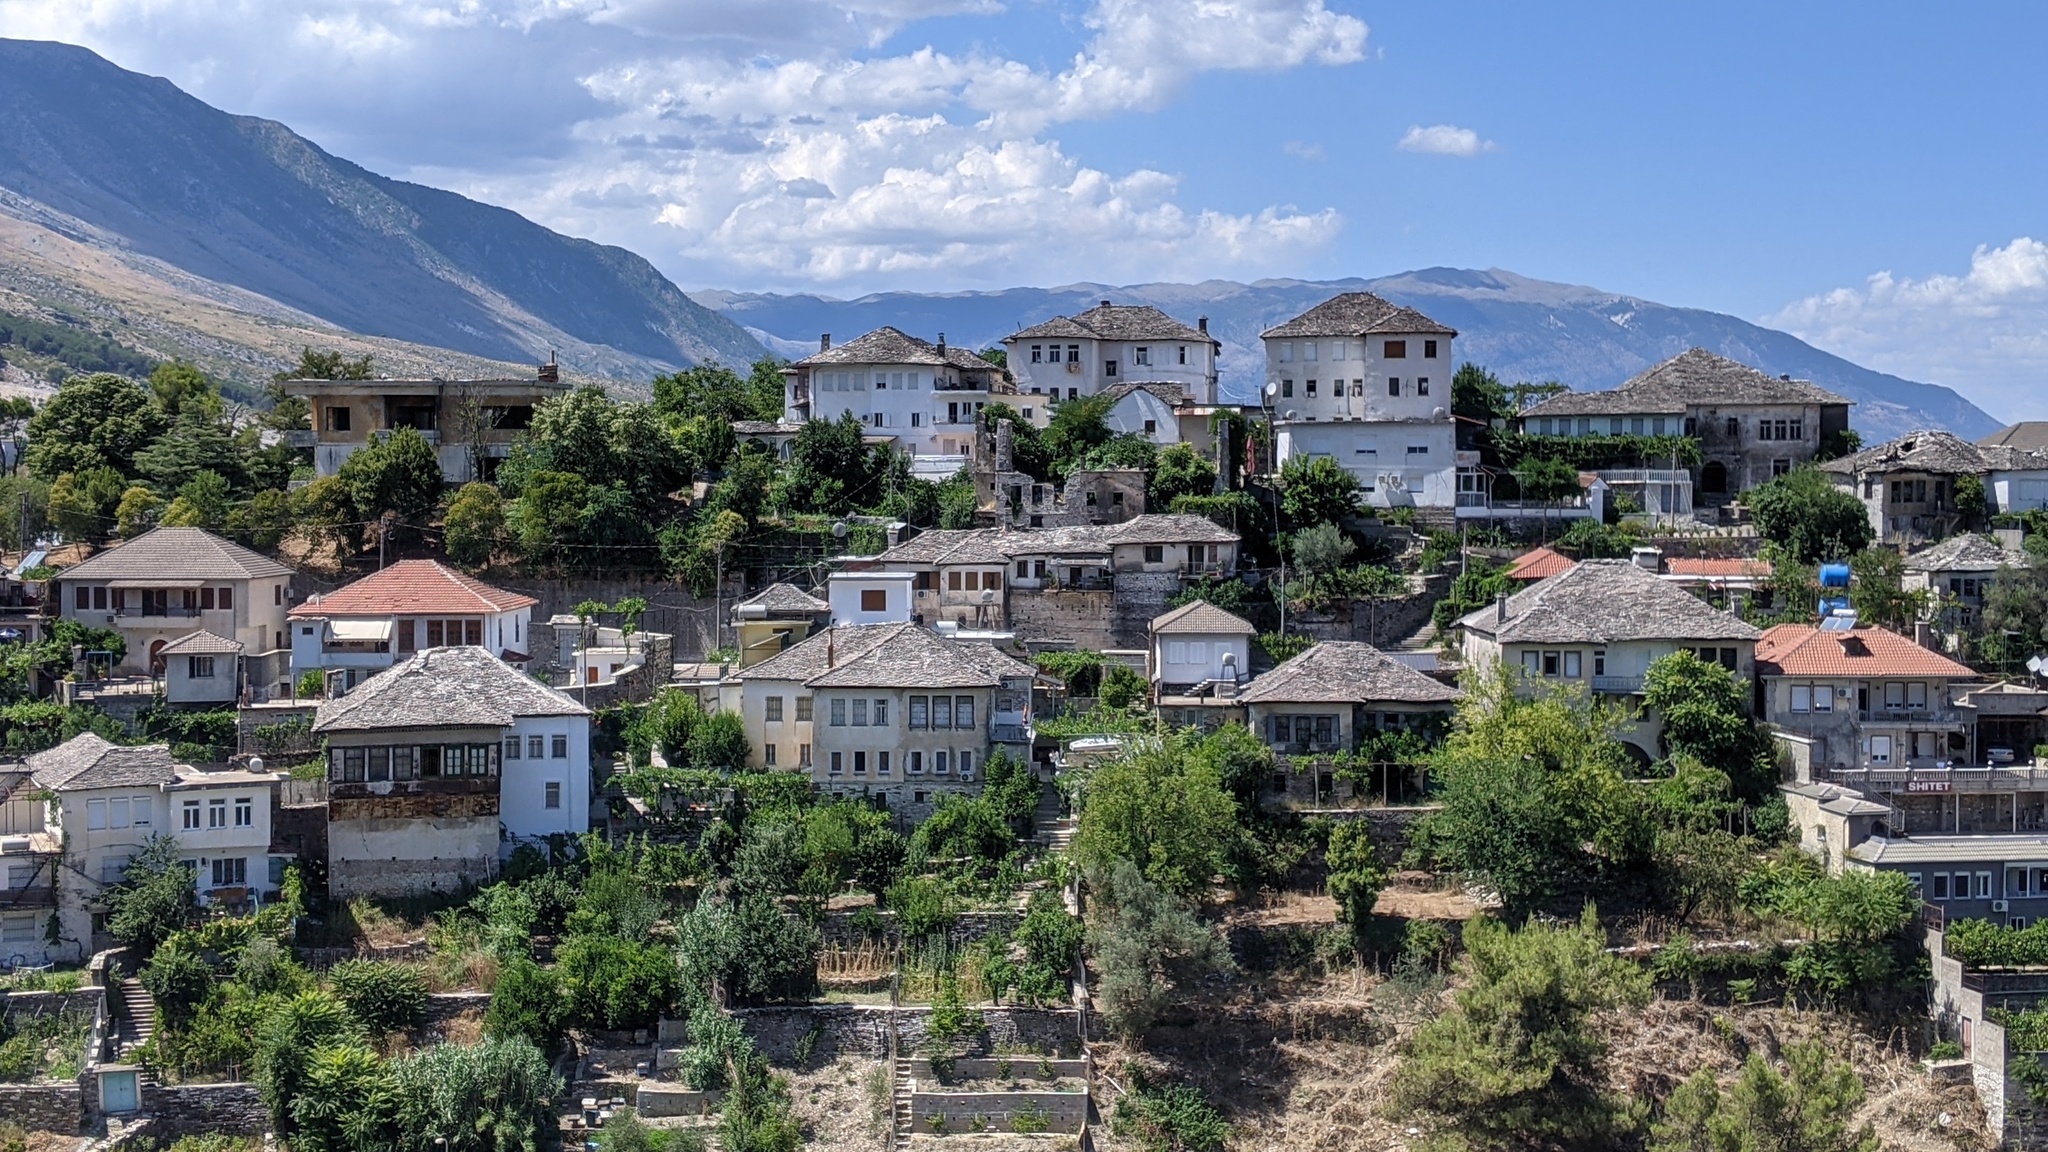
(1834,575)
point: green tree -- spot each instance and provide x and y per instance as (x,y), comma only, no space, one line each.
(347,1104)
(155,898)
(85,505)
(963,828)
(720,394)
(719,743)
(528,1002)
(325,510)
(178,387)
(1163,807)
(1181,471)
(1477,394)
(475,524)
(196,442)
(1321,551)
(753,949)
(2016,611)
(548,512)
(264,521)
(1122,687)
(1317,490)
(1878,593)
(1077,428)
(614,983)
(400,474)
(381,996)
(1545,480)
(1811,519)
(97,421)
(1706,718)
(958,503)
(1810,1108)
(287,1038)
(327,365)
(1515,1064)
(831,468)
(496,1096)
(756,1116)
(1145,941)
(205,501)
(1029,452)
(1356,872)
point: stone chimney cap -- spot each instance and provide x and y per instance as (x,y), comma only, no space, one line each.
(824,341)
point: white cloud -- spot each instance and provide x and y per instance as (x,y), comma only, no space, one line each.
(770,142)
(1984,332)
(1303,150)
(1445,140)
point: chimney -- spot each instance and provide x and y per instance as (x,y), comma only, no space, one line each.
(829,661)
(549,373)
(1500,608)
(942,343)
(1202,325)
(1647,557)
(1105,303)
(824,341)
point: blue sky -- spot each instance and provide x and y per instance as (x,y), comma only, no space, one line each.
(1764,160)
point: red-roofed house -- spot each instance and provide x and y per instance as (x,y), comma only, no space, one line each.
(1867,699)
(412,605)
(1539,564)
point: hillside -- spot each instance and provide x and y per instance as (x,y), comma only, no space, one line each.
(125,198)
(1521,328)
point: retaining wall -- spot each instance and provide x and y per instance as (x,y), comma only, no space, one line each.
(651,1099)
(20,1006)
(58,1108)
(1058,1111)
(863,1030)
(994,1068)
(236,1108)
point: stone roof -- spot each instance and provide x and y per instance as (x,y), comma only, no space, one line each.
(948,546)
(445,688)
(1967,552)
(785,599)
(894,346)
(174,553)
(1346,672)
(413,588)
(1109,321)
(2027,436)
(1808,650)
(1173,394)
(765,428)
(1694,377)
(998,545)
(1200,616)
(1358,314)
(899,655)
(202,643)
(1605,602)
(1539,564)
(1939,453)
(89,761)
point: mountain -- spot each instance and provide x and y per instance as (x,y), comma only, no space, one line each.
(1522,329)
(237,213)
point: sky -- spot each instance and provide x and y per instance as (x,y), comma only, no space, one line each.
(1860,175)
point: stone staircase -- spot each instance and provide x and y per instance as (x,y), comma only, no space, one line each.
(903,1121)
(1051,829)
(138,1017)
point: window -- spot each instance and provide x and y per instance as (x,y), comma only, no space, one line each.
(920,711)
(511,747)
(939,766)
(966,764)
(1429,349)
(881,713)
(1155,554)
(942,711)
(1073,353)
(1823,698)
(963,711)
(1035,356)
(953,582)
(1571,665)
(206,599)
(838,712)
(1183,359)
(1418,449)
(1109,367)
(1308,350)
(774,709)
(1395,350)
(915,765)
(1311,389)
(860,713)
(1880,749)
(551,797)
(874,599)
(1532,663)
(803,755)
(95,814)
(230,872)
(17,929)
(1141,355)
(803,709)
(406,643)
(1551,661)
(881,763)
(1983,886)
(1802,698)
(1916,694)
(1286,351)
(535,746)
(838,764)
(1422,385)
(199,667)
(337,419)
(768,755)
(191,820)
(860,763)
(217,813)
(117,813)
(245,812)
(1393,385)
(560,747)
(1151,426)
(1939,888)
(1599,662)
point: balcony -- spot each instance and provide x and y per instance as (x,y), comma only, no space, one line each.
(1619,685)
(1196,568)
(1943,716)
(1009,734)
(1916,779)
(432,436)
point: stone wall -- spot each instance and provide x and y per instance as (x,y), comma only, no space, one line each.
(1002,1068)
(1081,617)
(967,927)
(638,683)
(651,1099)
(236,1109)
(999,1111)
(1140,598)
(21,1006)
(863,1031)
(58,1108)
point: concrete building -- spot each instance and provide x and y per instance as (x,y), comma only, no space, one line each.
(171,582)
(1750,425)
(1863,697)
(470,423)
(1199,651)
(1068,357)
(107,801)
(889,710)
(1909,485)
(920,398)
(775,618)
(385,617)
(442,765)
(1598,627)
(1367,383)
(871,597)
(1957,574)
(202,670)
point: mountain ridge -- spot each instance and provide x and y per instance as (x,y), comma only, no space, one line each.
(1520,327)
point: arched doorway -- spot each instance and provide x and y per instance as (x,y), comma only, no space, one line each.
(156,657)
(1714,478)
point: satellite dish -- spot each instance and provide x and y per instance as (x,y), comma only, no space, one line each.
(2035,664)
(1290,413)
(1437,413)
(839,529)
(1272,389)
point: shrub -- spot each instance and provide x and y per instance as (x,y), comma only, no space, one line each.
(383,997)
(528,1003)
(617,984)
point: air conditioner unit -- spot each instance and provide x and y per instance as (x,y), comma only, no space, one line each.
(13,845)
(2000,905)
(968,774)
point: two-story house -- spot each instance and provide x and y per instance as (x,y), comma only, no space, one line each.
(924,398)
(1750,425)
(1908,485)
(1862,697)
(1957,574)
(1086,354)
(1329,700)
(774,618)
(442,765)
(106,801)
(471,423)
(1200,655)
(1367,383)
(1597,627)
(371,624)
(172,582)
(890,710)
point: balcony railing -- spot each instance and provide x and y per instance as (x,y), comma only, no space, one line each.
(168,611)
(1009,733)
(1895,778)
(1620,685)
(1909,716)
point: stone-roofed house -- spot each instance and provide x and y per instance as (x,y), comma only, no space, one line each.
(890,710)
(1367,383)
(372,623)
(1750,425)
(108,800)
(170,582)
(775,618)
(775,436)
(444,763)
(201,668)
(1331,699)
(921,398)
(1113,345)
(1598,627)
(2027,436)
(1200,655)
(1957,574)
(1909,485)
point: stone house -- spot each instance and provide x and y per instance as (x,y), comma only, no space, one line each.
(1750,425)
(921,398)
(443,765)
(471,424)
(1597,628)
(1957,574)
(1327,701)
(375,622)
(202,670)
(1908,485)
(171,582)
(1200,654)
(775,618)
(1113,345)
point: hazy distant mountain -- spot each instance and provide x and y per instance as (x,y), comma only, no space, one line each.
(1522,329)
(243,213)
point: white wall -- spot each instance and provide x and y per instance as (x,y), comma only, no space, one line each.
(1202,657)
(523,782)
(1131,414)
(1191,364)
(908,403)
(222,687)
(1364,370)
(256,620)
(843,592)
(2018,491)
(1371,451)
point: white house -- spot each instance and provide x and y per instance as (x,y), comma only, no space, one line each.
(1199,646)
(1367,383)
(920,397)
(384,617)
(870,597)
(172,582)
(202,668)
(1068,357)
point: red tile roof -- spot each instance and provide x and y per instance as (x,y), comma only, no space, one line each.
(1716,567)
(1539,564)
(414,588)
(1805,650)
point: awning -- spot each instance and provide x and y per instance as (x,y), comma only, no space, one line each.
(157,582)
(364,630)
